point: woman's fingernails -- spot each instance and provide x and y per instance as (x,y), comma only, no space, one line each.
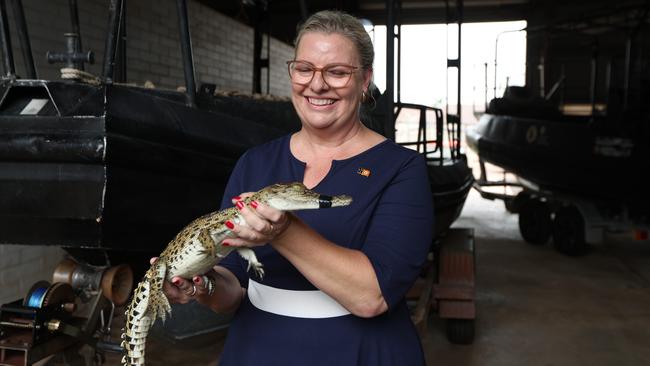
(240,205)
(236,198)
(230,225)
(254,204)
(176,281)
(197,280)
(225,244)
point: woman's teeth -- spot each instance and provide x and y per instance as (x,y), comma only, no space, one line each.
(318,101)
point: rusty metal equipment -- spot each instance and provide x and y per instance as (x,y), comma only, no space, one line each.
(448,285)
(115,282)
(454,291)
(74,311)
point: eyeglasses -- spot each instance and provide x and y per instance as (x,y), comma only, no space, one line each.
(334,75)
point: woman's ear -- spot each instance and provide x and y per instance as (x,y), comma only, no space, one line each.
(367,78)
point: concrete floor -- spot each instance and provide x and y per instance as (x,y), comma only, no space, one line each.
(538,307)
(535,306)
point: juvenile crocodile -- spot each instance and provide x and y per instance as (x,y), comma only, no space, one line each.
(196,249)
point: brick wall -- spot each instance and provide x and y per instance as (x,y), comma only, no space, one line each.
(223,55)
(223,47)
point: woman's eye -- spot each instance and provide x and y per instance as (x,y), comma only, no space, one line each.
(303,70)
(337,73)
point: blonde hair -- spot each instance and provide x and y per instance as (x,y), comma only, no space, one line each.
(338,22)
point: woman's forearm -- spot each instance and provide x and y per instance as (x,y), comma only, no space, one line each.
(344,274)
(227,294)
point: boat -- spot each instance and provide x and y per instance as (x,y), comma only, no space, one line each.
(582,175)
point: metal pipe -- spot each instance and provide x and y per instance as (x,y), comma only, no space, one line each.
(268,57)
(268,49)
(123,47)
(608,84)
(542,86)
(74,20)
(120,55)
(485,67)
(458,92)
(304,11)
(562,85)
(390,70)
(23,37)
(593,80)
(257,55)
(186,49)
(399,49)
(109,347)
(7,50)
(29,325)
(496,51)
(114,11)
(628,66)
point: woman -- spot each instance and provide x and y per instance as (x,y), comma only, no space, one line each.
(335,279)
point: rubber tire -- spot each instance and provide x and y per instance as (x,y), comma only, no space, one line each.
(513,205)
(535,223)
(569,232)
(460,331)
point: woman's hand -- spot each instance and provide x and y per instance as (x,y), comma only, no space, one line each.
(263,223)
(182,291)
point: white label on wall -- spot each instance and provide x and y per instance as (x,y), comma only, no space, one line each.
(34,106)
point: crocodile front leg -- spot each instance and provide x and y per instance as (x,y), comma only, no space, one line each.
(249,255)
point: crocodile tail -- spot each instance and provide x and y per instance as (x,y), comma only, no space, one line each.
(148,303)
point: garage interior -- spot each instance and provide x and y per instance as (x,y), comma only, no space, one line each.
(553,239)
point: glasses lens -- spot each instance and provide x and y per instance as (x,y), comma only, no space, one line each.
(337,76)
(300,72)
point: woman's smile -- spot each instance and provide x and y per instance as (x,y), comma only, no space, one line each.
(320,102)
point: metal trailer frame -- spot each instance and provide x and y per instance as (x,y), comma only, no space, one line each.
(571,221)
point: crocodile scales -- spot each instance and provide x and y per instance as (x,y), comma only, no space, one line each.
(196,249)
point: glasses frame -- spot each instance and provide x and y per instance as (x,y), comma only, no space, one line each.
(320,69)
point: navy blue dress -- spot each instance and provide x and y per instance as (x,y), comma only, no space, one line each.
(390,220)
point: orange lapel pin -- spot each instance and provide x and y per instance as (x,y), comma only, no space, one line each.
(363,171)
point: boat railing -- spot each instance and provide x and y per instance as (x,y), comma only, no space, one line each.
(424,145)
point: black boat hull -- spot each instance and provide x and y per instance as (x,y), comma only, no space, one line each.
(450,181)
(126,172)
(122,169)
(566,156)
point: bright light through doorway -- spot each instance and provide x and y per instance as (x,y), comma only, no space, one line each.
(424,59)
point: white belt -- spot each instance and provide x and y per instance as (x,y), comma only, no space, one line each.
(297,304)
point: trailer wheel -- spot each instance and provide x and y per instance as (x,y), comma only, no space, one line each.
(569,232)
(535,221)
(513,205)
(460,331)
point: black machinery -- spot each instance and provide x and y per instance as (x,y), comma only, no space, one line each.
(70,317)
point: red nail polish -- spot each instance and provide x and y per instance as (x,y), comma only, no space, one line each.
(230,225)
(176,282)
(236,198)
(240,205)
(225,244)
(196,280)
(254,204)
